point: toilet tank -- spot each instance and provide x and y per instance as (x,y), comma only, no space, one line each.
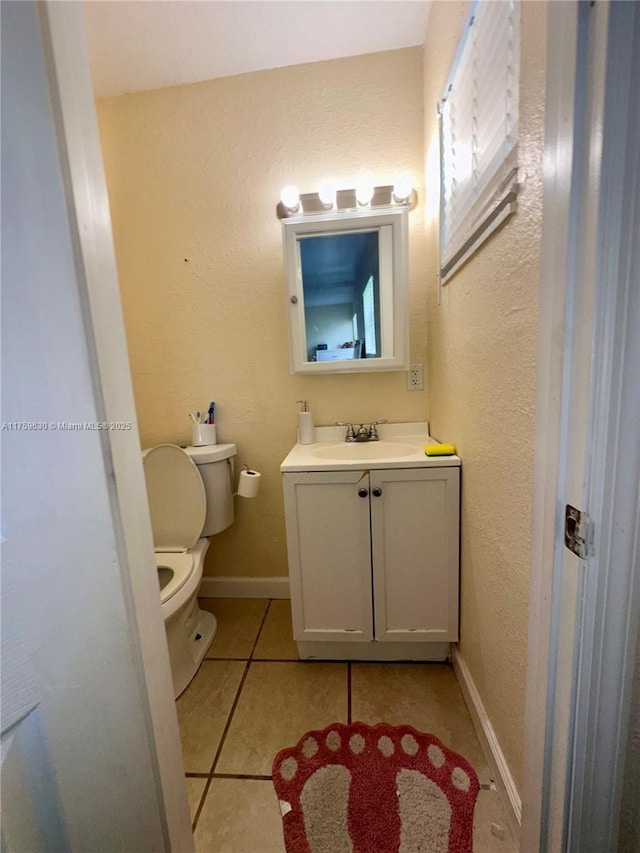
(216,466)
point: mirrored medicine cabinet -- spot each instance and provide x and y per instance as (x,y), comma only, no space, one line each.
(347,291)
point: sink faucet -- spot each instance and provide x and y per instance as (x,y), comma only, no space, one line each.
(363,433)
(373,432)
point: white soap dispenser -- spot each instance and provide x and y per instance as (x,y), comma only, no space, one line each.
(305,424)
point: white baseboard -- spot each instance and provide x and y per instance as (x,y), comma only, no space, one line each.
(231,587)
(489,742)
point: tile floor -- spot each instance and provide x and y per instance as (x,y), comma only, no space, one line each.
(252,697)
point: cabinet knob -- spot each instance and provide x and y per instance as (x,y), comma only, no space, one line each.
(376,492)
(293,300)
(363,492)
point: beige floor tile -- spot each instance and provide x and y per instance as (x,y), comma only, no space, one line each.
(240,816)
(203,710)
(239,621)
(489,811)
(276,638)
(195,788)
(278,704)
(425,696)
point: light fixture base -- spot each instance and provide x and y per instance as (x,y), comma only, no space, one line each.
(310,203)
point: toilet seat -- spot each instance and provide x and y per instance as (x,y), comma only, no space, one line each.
(181,566)
(177,498)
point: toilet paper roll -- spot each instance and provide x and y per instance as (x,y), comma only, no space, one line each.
(249,483)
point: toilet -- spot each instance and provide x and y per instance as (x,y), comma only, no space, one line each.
(190,494)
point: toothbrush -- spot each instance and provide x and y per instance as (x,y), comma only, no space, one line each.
(212,406)
(193,417)
(198,416)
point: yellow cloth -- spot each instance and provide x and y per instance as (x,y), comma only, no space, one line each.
(439,449)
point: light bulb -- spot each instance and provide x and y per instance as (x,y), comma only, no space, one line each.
(327,193)
(402,188)
(290,198)
(364,192)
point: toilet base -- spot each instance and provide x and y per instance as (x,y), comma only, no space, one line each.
(189,636)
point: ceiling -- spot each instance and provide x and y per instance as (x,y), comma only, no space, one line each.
(149,44)
(332,263)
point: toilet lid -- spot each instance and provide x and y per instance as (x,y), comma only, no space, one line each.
(176,495)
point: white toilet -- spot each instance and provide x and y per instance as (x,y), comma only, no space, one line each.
(190,493)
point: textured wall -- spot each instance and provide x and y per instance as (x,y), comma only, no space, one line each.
(482,378)
(629,837)
(194,174)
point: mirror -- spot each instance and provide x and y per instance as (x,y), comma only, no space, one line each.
(347,291)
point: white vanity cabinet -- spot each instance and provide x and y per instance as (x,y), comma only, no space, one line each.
(373,562)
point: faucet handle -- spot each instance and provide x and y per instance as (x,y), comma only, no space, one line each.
(350,436)
(373,432)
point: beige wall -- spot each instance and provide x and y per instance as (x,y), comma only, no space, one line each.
(194,174)
(482,379)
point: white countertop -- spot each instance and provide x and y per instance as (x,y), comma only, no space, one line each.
(400,446)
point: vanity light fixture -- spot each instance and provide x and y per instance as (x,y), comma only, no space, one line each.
(364,193)
(402,188)
(327,194)
(331,201)
(290,199)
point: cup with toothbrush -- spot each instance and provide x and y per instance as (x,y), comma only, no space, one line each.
(203,427)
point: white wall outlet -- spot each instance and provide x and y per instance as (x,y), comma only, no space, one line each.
(415,380)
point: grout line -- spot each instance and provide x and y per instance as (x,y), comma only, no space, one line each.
(229,719)
(264,619)
(237,696)
(196,817)
(349,720)
(252,776)
(197,775)
(223,659)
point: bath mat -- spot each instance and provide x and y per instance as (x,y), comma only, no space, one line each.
(374,789)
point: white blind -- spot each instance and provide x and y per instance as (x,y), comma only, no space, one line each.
(479,130)
(369,310)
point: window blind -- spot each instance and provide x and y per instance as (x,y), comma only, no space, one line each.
(479,132)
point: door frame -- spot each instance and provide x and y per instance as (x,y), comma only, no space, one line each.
(571,789)
(74,114)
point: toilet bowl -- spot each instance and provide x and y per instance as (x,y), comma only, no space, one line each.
(190,494)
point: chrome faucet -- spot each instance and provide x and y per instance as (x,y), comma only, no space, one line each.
(363,433)
(373,432)
(350,435)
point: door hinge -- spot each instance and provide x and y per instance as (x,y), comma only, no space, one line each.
(578,532)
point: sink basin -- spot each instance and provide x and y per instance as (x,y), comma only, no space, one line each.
(346,451)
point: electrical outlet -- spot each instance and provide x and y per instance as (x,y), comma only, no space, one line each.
(415,380)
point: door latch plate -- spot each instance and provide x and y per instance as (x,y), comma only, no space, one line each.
(578,532)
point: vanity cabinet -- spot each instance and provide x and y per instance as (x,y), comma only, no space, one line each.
(373,562)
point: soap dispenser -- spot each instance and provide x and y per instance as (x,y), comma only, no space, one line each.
(305,424)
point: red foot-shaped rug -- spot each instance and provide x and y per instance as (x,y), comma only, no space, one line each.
(374,789)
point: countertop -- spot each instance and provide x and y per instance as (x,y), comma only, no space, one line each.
(400,446)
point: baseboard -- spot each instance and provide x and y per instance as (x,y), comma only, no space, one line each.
(232,587)
(489,742)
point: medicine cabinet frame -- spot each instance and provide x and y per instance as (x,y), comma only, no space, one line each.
(393,249)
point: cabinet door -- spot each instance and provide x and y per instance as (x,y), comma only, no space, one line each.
(329,552)
(415,541)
